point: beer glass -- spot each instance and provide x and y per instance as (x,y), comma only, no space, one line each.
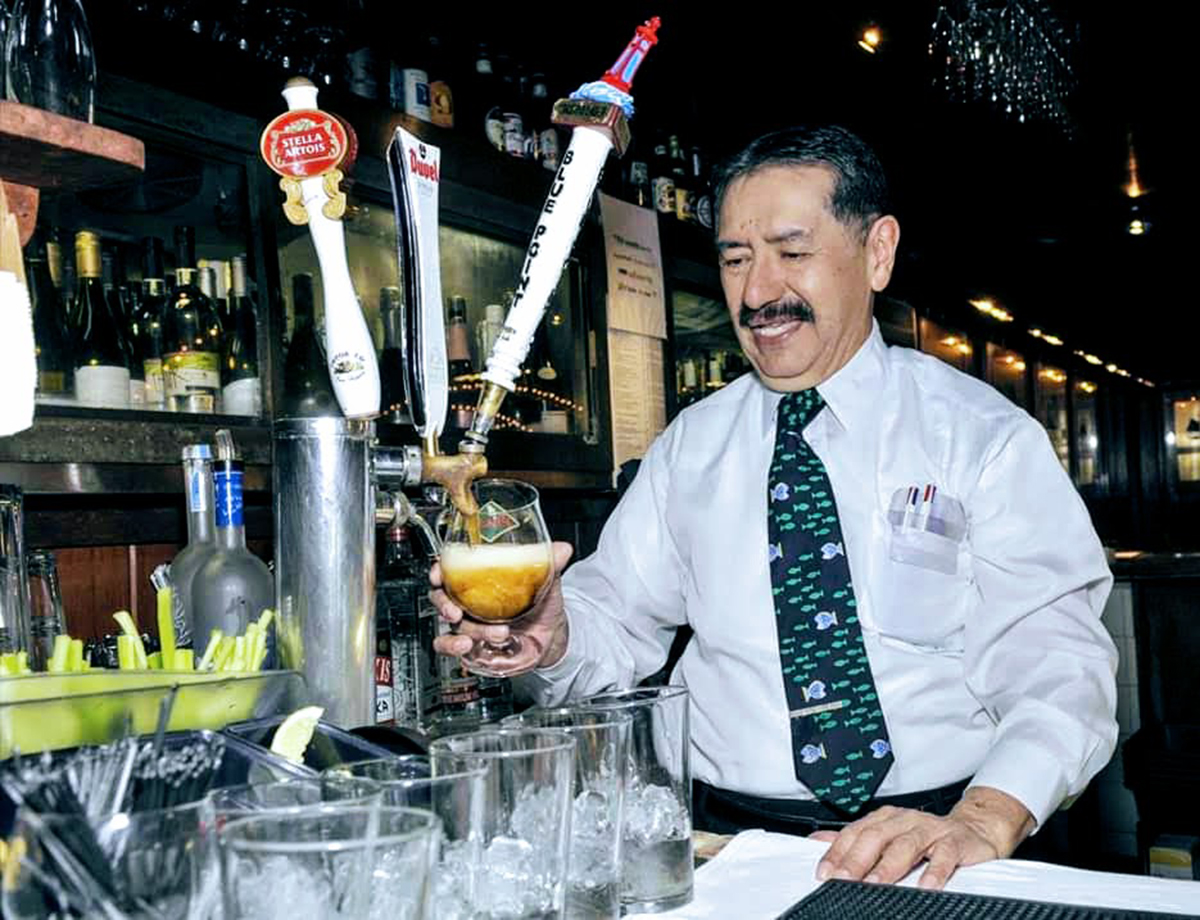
(496,566)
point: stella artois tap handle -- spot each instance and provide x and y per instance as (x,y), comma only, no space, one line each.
(305,146)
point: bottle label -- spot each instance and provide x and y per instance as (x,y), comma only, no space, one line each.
(51,382)
(102,387)
(548,150)
(704,210)
(514,134)
(186,373)
(664,194)
(416,93)
(153,371)
(137,393)
(493,128)
(242,397)
(684,209)
(441,104)
(495,522)
(228,486)
(197,496)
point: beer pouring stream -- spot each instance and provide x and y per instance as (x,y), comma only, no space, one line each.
(598,112)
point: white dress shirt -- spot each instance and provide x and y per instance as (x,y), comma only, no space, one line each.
(981,619)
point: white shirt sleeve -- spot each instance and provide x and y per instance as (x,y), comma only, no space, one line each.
(1037,656)
(625,601)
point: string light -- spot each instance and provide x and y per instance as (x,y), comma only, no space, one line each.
(871,37)
(989,308)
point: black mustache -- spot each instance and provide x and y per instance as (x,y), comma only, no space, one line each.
(784,309)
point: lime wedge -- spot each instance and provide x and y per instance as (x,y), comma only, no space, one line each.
(294,733)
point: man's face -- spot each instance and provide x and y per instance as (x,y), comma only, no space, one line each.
(798,283)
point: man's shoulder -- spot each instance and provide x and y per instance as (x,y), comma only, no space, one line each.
(945,389)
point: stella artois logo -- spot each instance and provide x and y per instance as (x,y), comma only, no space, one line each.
(304,143)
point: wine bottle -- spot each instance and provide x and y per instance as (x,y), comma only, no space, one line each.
(441,96)
(241,388)
(191,337)
(307,389)
(119,306)
(681,173)
(198,489)
(150,320)
(662,181)
(458,354)
(49,332)
(391,360)
(233,586)
(101,364)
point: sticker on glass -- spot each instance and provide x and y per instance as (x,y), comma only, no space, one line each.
(495,522)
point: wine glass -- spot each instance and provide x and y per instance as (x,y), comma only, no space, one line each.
(497,566)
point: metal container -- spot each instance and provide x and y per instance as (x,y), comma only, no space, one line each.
(14,583)
(325,561)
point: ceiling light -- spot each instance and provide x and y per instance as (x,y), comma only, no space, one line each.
(871,37)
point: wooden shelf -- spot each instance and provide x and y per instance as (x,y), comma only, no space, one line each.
(39,149)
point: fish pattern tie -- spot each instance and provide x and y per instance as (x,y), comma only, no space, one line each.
(840,741)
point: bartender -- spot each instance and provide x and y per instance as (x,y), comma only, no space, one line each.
(894,588)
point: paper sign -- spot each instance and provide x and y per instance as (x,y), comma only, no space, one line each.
(636,297)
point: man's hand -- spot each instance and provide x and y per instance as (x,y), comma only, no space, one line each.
(545,625)
(886,844)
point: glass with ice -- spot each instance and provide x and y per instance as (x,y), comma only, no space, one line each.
(522,869)
(597,796)
(656,860)
(497,565)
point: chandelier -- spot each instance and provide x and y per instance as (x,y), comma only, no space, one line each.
(1010,55)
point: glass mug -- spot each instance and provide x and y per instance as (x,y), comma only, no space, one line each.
(497,566)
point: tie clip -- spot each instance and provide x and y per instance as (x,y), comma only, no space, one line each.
(819,708)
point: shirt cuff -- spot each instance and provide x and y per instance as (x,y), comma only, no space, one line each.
(1026,772)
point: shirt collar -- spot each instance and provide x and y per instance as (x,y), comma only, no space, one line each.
(850,392)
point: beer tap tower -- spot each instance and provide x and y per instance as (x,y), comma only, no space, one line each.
(328,471)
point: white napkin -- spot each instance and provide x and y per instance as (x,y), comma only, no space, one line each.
(18,366)
(760,875)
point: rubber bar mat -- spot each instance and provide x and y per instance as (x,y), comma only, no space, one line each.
(842,900)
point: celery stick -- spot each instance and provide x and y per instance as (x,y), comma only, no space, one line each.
(130,629)
(166,627)
(259,658)
(239,654)
(23,663)
(224,654)
(154,661)
(58,658)
(126,656)
(208,660)
(185,659)
(75,655)
(8,665)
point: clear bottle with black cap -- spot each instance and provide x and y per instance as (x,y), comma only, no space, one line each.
(191,337)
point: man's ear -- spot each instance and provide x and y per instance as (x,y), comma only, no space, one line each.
(882,240)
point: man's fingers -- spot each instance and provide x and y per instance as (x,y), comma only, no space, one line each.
(562,555)
(446,608)
(824,836)
(454,645)
(858,847)
(435,575)
(943,860)
(898,858)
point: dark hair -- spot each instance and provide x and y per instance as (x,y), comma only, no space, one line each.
(860,193)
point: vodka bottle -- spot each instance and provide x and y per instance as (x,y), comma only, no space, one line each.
(198,486)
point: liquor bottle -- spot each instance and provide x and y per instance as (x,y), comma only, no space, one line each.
(638,185)
(511,116)
(403,609)
(482,108)
(198,489)
(662,180)
(410,85)
(441,97)
(241,387)
(458,354)
(191,337)
(233,586)
(681,173)
(119,306)
(543,133)
(702,189)
(101,364)
(489,329)
(391,359)
(49,332)
(149,321)
(307,389)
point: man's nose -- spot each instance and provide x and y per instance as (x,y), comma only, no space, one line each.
(764,283)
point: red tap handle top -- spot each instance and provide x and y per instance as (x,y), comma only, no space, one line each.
(622,72)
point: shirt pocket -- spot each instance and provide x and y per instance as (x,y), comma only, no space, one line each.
(925,589)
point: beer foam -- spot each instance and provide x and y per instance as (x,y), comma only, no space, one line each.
(462,556)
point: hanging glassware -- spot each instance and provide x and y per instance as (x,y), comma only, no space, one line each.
(49,59)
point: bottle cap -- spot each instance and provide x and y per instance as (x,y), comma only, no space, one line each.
(197,452)
(494,313)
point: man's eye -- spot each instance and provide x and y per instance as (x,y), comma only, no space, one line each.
(794,256)
(733,261)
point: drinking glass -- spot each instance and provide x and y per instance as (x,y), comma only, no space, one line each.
(157,864)
(496,566)
(522,868)
(14,608)
(232,802)
(46,618)
(597,794)
(328,861)
(457,798)
(656,861)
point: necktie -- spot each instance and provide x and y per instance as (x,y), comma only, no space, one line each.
(839,739)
